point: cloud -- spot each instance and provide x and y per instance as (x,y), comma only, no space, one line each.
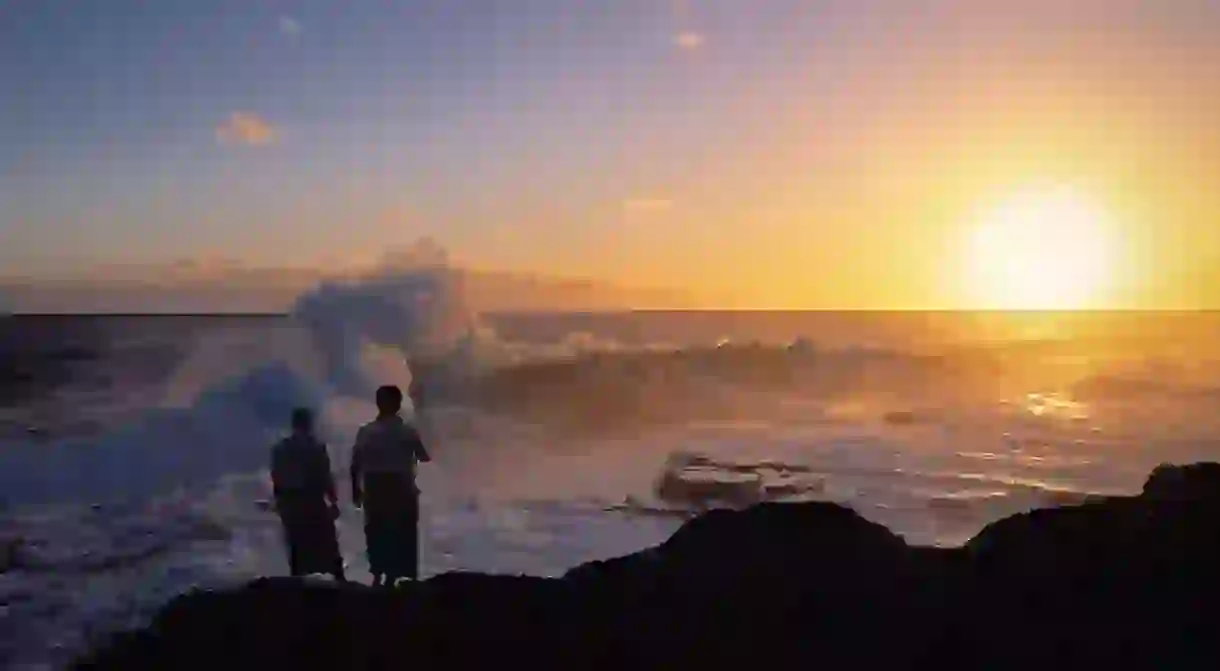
(689,40)
(289,26)
(245,128)
(648,205)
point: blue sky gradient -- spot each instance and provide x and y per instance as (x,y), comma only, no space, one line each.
(614,138)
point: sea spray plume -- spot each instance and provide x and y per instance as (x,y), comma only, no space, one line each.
(413,309)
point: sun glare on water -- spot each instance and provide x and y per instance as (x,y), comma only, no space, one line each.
(1042,249)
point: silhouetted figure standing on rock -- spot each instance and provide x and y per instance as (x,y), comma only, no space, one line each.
(383,482)
(306,501)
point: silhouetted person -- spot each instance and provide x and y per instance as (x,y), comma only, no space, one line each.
(306,501)
(383,482)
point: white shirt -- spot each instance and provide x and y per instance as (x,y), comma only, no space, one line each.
(387,446)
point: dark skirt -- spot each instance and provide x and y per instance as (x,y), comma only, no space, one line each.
(391,520)
(309,533)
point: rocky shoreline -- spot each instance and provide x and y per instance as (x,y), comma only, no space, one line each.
(1119,582)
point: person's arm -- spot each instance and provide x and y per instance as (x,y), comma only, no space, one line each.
(357,492)
(277,467)
(417,446)
(328,476)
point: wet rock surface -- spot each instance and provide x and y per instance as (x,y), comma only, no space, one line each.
(1120,582)
(699,482)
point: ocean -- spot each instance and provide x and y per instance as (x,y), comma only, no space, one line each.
(133,449)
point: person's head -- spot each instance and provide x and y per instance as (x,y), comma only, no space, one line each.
(302,420)
(389,400)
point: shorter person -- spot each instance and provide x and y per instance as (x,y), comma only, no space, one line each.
(306,501)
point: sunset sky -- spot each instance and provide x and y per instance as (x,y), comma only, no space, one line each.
(776,153)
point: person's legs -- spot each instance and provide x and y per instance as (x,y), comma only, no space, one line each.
(374,531)
(391,514)
(294,563)
(370,547)
(412,540)
(332,545)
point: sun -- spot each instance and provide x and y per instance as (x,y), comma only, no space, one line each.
(1041,249)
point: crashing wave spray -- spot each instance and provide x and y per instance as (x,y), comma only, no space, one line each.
(391,325)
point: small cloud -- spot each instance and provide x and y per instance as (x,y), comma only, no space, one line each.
(289,26)
(245,128)
(647,205)
(689,40)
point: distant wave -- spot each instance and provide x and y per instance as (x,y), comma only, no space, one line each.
(231,396)
(412,321)
(691,383)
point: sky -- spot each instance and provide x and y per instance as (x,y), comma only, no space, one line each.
(775,153)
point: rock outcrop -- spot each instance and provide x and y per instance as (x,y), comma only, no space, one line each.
(1125,582)
(699,482)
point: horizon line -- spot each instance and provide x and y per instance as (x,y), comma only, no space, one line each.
(697,310)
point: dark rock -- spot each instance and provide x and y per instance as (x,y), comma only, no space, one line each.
(899,417)
(787,486)
(700,486)
(698,481)
(1122,582)
(1119,582)
(1190,482)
